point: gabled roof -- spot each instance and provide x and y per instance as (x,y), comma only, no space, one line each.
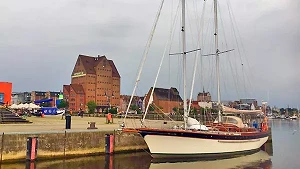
(67,87)
(115,72)
(78,89)
(91,62)
(126,98)
(171,94)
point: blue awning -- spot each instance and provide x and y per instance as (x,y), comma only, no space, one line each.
(41,101)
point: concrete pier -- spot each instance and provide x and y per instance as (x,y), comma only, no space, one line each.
(54,141)
(59,144)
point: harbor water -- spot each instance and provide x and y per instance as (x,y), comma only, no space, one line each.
(285,155)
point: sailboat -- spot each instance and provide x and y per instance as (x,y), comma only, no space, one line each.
(227,135)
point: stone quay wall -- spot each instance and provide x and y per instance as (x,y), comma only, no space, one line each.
(67,144)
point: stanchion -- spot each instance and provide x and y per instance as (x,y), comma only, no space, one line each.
(32,146)
(68,121)
(109,143)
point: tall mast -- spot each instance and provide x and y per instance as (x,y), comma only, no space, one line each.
(217,59)
(184,64)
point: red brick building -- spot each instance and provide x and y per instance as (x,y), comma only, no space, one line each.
(93,79)
(165,99)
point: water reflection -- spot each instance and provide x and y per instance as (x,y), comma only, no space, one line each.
(286,138)
(260,159)
(144,161)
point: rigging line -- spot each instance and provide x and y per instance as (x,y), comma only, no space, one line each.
(246,58)
(161,62)
(176,15)
(232,20)
(228,60)
(194,73)
(145,55)
(186,52)
(170,46)
(211,78)
(162,112)
(196,12)
(190,26)
(201,31)
(208,40)
(243,73)
(159,68)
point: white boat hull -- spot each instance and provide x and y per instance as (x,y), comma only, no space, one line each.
(173,145)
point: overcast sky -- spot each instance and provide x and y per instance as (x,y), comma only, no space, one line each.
(41,40)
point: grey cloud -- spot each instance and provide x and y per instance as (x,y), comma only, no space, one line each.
(40,41)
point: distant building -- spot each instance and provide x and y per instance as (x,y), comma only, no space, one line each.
(204,97)
(38,95)
(124,102)
(164,99)
(20,97)
(15,98)
(249,102)
(42,95)
(93,79)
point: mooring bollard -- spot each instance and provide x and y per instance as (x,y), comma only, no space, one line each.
(109,143)
(92,125)
(68,121)
(32,146)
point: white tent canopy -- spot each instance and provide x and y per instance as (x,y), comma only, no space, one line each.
(33,106)
(25,106)
(14,106)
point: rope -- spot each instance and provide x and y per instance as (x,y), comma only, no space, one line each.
(159,68)
(144,56)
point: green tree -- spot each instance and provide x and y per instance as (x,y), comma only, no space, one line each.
(63,104)
(113,111)
(175,109)
(134,107)
(194,110)
(151,108)
(202,110)
(91,106)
